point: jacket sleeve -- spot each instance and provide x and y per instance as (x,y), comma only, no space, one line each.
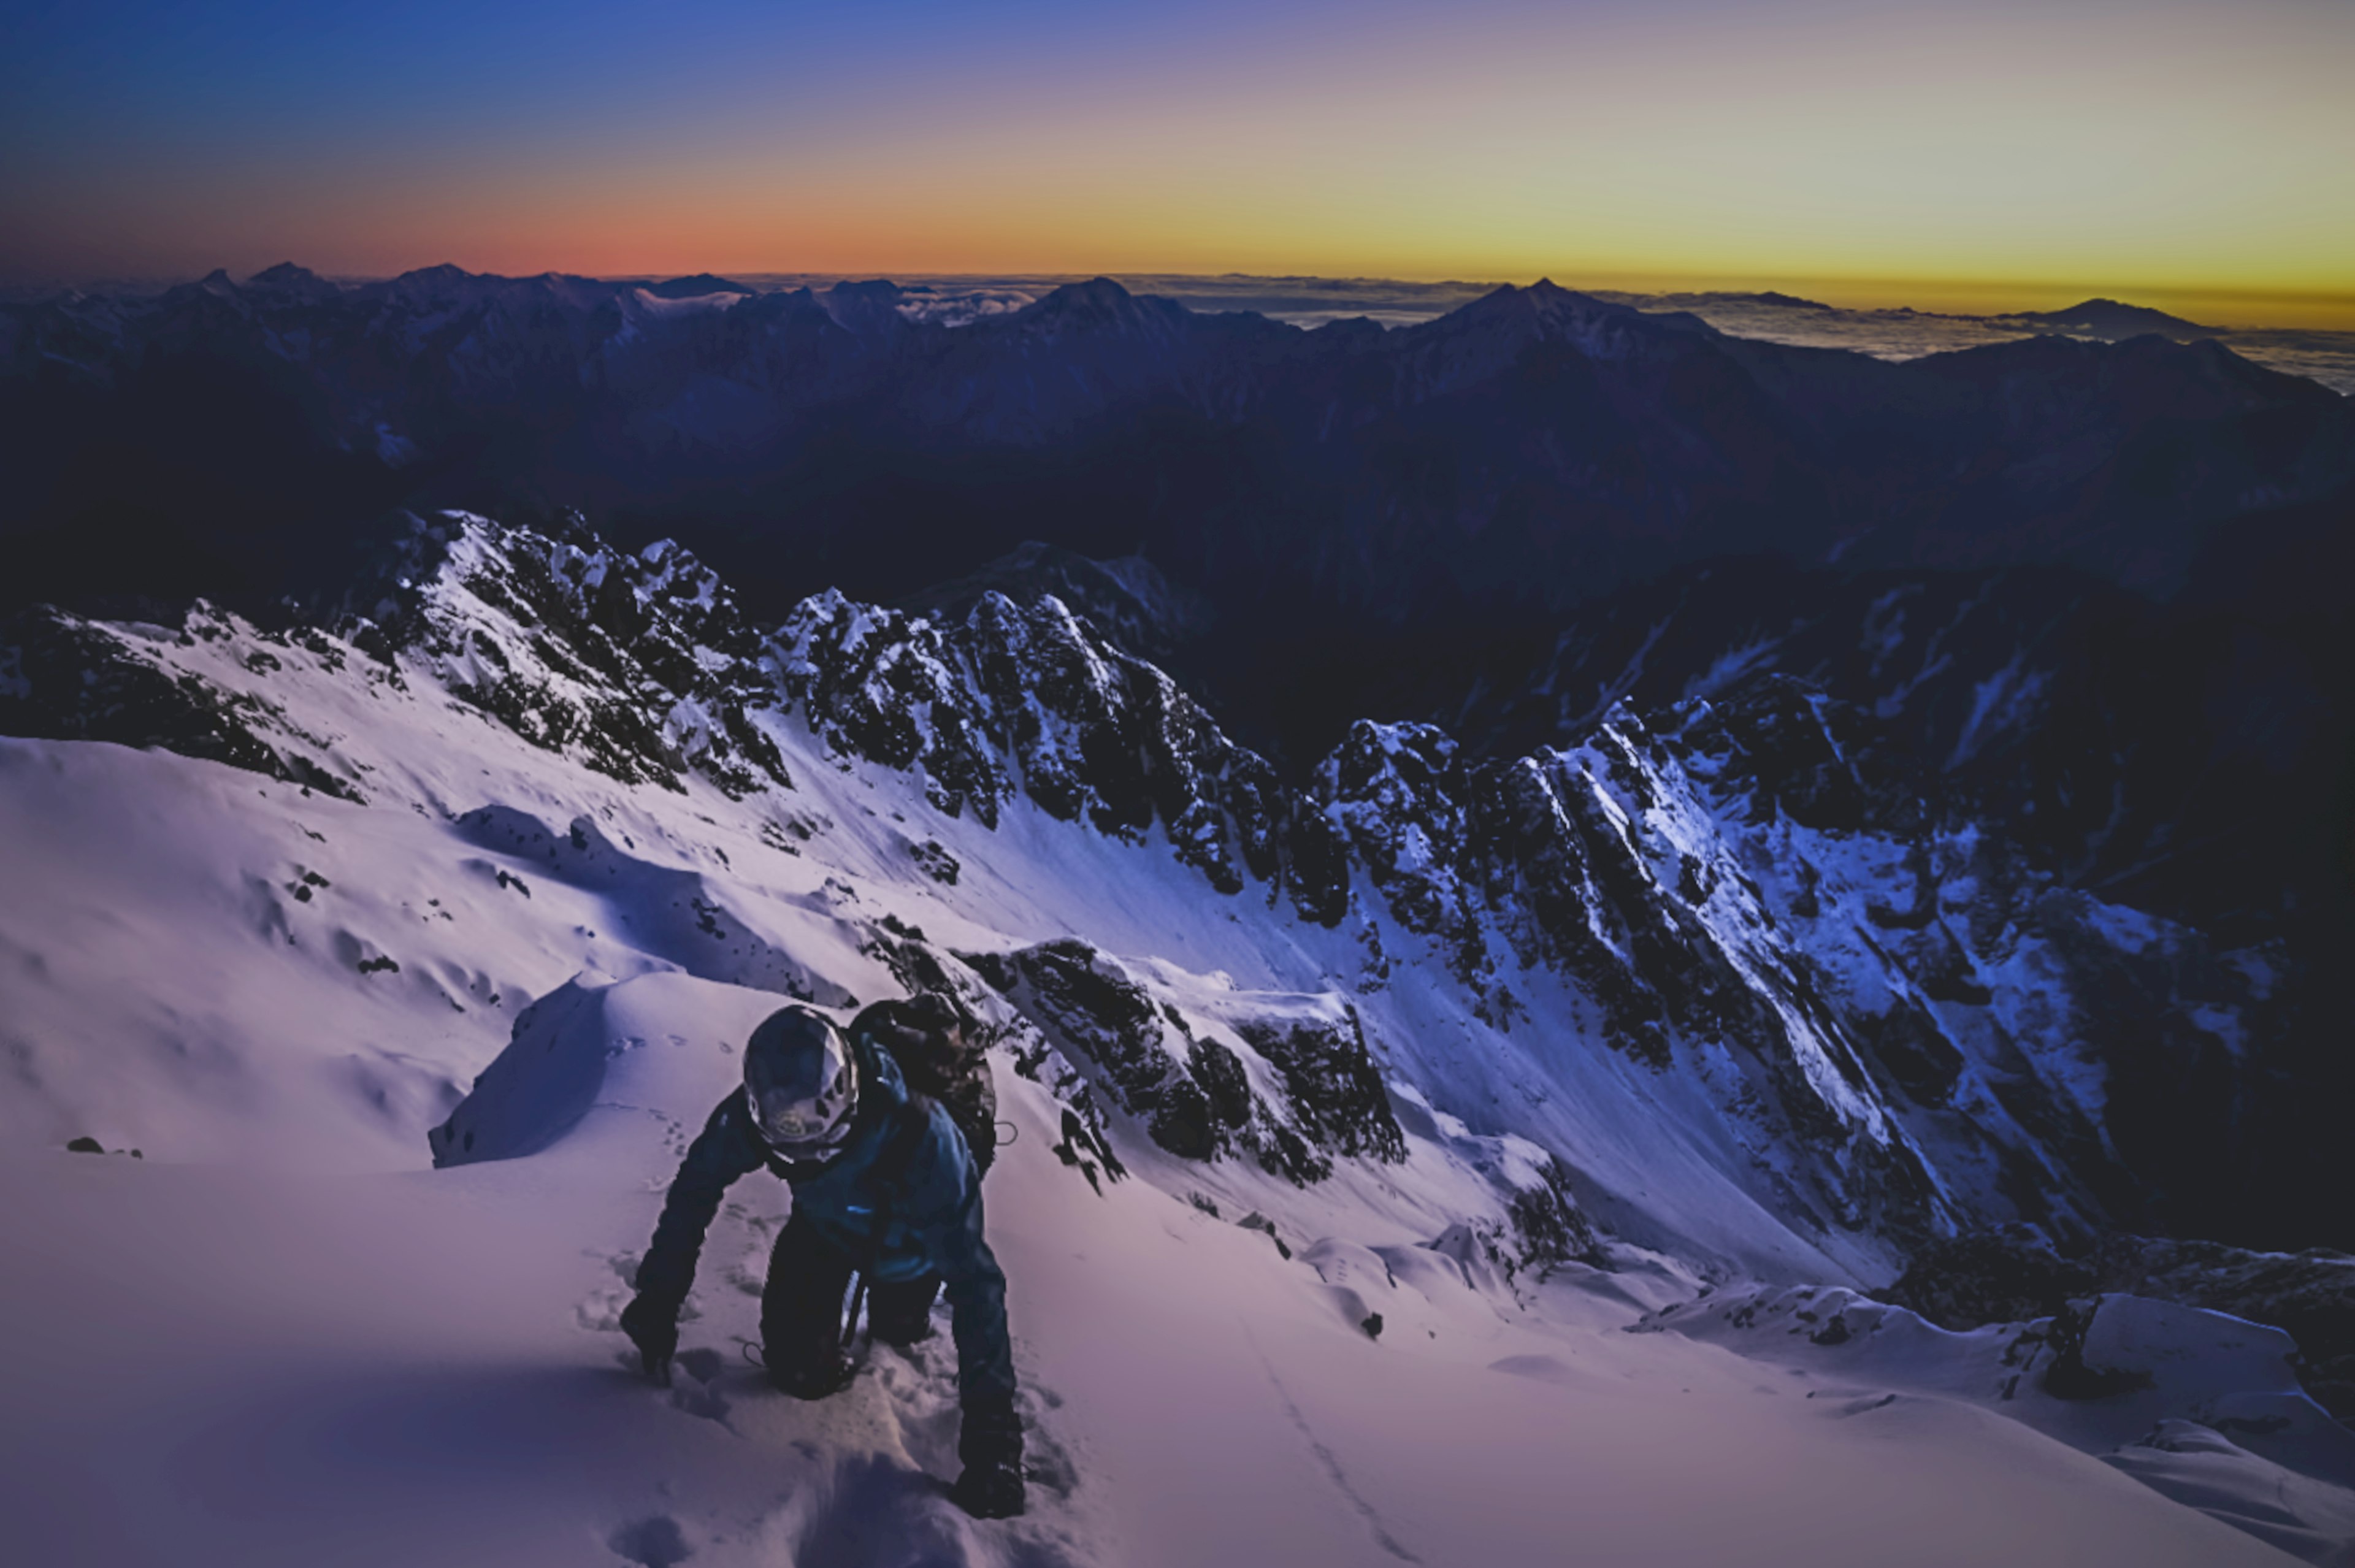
(725,1149)
(976,1292)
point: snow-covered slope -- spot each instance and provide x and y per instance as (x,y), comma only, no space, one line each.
(1501,1057)
(1761,1004)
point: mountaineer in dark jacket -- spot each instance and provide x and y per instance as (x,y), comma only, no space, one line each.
(883,1182)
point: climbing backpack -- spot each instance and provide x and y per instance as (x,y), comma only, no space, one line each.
(931,1039)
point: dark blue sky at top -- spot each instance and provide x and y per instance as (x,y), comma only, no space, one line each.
(2193,142)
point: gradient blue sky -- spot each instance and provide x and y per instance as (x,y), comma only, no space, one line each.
(2165,147)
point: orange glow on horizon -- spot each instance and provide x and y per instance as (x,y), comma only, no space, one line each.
(1992,157)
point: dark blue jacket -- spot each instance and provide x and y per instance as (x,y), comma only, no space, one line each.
(902,1198)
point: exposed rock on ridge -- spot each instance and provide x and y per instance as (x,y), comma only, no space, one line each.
(1891,1013)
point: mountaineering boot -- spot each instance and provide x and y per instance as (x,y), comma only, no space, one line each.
(829,1373)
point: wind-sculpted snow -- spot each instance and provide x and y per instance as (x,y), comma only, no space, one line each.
(680,916)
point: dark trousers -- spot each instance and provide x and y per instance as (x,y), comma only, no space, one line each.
(802,1303)
(801,1333)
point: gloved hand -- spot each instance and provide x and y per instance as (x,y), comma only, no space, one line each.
(990,1490)
(653,1328)
(989,1441)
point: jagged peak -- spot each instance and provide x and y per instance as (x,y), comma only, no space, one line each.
(439,272)
(1542,297)
(288,275)
(865,307)
(215,286)
(1127,598)
(1545,310)
(1096,303)
(1095,293)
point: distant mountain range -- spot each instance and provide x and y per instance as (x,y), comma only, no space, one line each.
(2088,577)
(1518,454)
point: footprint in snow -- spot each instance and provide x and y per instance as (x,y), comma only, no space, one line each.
(656,1543)
(600,1311)
(695,1386)
(869,1508)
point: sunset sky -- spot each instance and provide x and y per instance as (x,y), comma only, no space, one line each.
(1928,151)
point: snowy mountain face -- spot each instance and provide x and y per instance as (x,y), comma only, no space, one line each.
(1464,1064)
(1882,1025)
(2183,759)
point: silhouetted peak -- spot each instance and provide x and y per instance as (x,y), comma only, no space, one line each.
(215,286)
(864,306)
(1542,306)
(1099,298)
(441,276)
(2114,318)
(286,277)
(1100,306)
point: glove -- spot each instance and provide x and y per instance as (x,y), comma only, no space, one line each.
(992,1490)
(989,1441)
(654,1330)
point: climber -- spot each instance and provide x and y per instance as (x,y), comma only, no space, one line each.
(885,1186)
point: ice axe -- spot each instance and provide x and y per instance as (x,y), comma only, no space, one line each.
(850,1320)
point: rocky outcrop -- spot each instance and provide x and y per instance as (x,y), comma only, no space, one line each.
(1290,1088)
(639,666)
(1032,697)
(2014,1275)
(66,678)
